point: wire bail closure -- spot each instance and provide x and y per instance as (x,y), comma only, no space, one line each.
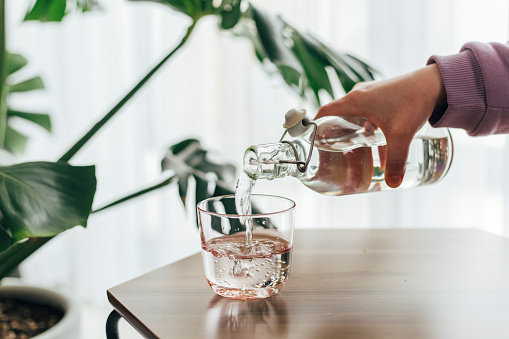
(301,165)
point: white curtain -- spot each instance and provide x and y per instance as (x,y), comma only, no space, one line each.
(214,89)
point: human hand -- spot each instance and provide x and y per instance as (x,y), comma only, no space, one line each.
(399,106)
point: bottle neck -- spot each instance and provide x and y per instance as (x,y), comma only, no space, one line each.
(265,161)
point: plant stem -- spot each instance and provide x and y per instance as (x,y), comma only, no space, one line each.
(78,145)
(139,193)
(3,76)
(14,255)
(11,258)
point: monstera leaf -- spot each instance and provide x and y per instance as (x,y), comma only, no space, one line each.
(42,199)
(275,44)
(188,159)
(55,10)
(230,13)
(15,141)
(301,59)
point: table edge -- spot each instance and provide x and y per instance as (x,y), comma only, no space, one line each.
(129,317)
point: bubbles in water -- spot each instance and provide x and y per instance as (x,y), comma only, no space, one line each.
(251,274)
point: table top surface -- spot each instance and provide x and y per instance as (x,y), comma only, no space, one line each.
(343,283)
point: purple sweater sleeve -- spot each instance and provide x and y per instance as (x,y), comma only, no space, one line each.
(476,82)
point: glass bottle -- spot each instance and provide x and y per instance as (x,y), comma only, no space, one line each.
(335,156)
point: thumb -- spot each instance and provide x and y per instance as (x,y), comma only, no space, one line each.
(353,103)
(395,166)
(339,107)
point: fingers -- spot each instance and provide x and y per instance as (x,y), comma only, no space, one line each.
(332,108)
(370,101)
(397,154)
(353,103)
(347,105)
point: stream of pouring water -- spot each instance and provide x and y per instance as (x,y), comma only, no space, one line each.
(243,191)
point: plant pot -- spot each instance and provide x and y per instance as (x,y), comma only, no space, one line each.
(67,327)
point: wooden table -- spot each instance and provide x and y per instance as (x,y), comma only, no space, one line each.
(343,284)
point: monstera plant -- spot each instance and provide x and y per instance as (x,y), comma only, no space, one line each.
(42,199)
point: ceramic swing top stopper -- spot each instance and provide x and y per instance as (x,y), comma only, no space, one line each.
(297,122)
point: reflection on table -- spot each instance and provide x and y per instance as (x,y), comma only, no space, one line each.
(262,318)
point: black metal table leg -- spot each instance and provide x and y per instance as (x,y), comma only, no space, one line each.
(112,325)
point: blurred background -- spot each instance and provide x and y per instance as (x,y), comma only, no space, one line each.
(216,91)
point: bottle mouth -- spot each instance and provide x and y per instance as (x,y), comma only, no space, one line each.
(251,162)
(268,161)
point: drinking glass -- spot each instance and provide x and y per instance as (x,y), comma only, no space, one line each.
(241,264)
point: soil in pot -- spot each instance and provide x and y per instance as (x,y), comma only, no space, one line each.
(20,319)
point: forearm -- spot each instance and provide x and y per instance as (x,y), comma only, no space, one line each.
(476,82)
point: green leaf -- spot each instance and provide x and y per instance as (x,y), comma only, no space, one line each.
(206,5)
(88,5)
(230,13)
(221,190)
(346,76)
(15,142)
(188,159)
(4,87)
(5,238)
(314,66)
(370,70)
(301,58)
(15,62)
(181,146)
(27,85)
(47,10)
(183,180)
(40,119)
(247,29)
(358,67)
(56,10)
(201,189)
(271,32)
(350,69)
(41,199)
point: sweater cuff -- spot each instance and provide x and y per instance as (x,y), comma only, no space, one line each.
(464,87)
